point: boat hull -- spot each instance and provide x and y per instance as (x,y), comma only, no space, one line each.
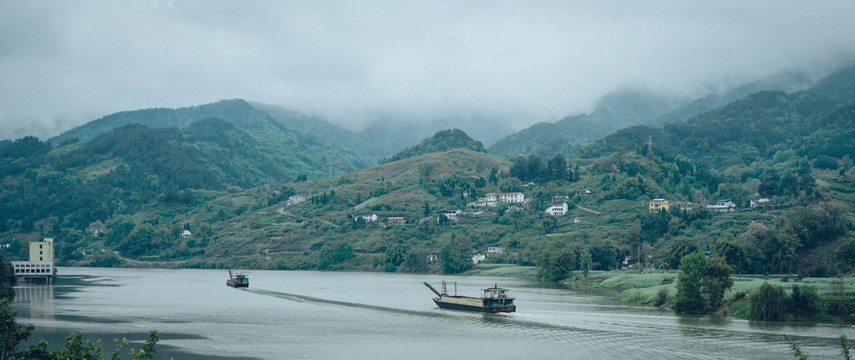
(475,308)
(236,285)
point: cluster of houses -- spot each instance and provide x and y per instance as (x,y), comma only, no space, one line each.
(720,206)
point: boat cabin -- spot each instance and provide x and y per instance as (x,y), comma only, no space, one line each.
(496,296)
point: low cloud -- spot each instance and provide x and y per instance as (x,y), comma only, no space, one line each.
(66,63)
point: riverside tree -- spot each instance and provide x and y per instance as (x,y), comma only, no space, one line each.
(689,299)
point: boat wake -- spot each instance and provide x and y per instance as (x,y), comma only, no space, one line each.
(311,299)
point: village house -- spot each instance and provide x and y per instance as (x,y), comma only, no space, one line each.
(657,205)
(557,209)
(452,215)
(481,202)
(96,228)
(494,248)
(186,234)
(478,257)
(510,197)
(295,199)
(722,206)
(367,218)
(583,192)
(763,204)
(396,220)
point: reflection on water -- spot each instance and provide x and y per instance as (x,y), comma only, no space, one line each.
(315,315)
(40,298)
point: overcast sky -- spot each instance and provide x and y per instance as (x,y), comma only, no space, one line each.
(64,63)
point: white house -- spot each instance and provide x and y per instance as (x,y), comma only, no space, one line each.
(760,203)
(186,233)
(494,248)
(452,215)
(367,218)
(478,257)
(482,202)
(722,206)
(510,198)
(295,199)
(396,220)
(557,209)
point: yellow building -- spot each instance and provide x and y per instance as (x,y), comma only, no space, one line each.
(657,205)
(41,250)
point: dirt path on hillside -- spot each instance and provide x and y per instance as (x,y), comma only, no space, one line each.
(589,210)
(282,211)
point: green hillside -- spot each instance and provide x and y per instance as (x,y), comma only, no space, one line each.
(441,141)
(300,153)
(631,107)
(144,186)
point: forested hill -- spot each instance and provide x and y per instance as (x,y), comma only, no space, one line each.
(133,166)
(629,107)
(300,153)
(816,123)
(441,141)
(614,111)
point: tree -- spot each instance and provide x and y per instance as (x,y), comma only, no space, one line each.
(76,348)
(768,304)
(557,168)
(556,262)
(732,252)
(585,262)
(689,299)
(680,247)
(456,256)
(395,256)
(717,281)
(11,334)
(846,253)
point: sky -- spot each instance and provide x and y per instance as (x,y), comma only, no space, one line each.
(64,63)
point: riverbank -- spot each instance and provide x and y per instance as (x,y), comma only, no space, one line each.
(645,289)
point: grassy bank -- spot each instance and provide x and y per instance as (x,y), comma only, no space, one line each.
(643,288)
(508,270)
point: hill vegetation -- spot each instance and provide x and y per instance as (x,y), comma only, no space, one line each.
(441,141)
(129,194)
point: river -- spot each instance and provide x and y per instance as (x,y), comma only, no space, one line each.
(335,315)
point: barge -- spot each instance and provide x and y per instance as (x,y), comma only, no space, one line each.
(494,300)
(237,280)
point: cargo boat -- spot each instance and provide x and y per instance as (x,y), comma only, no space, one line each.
(237,280)
(494,300)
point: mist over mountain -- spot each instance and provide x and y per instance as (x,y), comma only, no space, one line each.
(628,107)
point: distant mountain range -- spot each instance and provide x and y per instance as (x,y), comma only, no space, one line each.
(628,107)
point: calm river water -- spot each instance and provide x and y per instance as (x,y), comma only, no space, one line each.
(325,315)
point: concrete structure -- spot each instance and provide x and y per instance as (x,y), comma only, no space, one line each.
(510,198)
(763,203)
(396,220)
(295,199)
(367,218)
(41,265)
(452,215)
(557,209)
(722,206)
(478,257)
(657,205)
(494,248)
